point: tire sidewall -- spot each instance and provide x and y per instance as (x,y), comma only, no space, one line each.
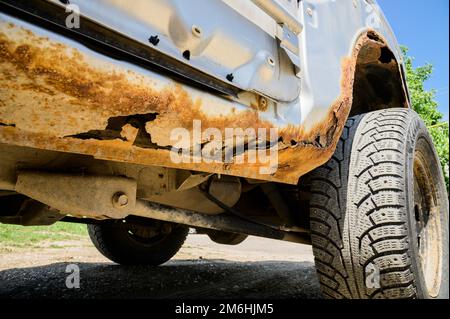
(417,131)
(116,244)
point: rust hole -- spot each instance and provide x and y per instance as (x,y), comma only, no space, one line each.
(10,125)
(375,37)
(114,128)
(386,55)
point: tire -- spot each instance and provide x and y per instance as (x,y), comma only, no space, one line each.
(128,245)
(379,212)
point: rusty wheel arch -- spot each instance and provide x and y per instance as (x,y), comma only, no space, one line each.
(372,79)
(379,80)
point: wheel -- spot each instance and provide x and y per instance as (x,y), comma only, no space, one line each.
(379,212)
(151,243)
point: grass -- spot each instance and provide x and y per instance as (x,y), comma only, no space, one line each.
(34,236)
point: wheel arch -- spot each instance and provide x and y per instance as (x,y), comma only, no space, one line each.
(379,77)
(372,78)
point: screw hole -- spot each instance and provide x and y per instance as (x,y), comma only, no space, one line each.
(230,77)
(197,31)
(262,102)
(154,39)
(187,55)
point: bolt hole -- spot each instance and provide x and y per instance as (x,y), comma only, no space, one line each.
(154,39)
(262,102)
(197,31)
(187,55)
(230,77)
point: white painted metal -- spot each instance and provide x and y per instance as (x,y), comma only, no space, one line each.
(227,43)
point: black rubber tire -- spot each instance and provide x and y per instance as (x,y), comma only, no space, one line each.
(362,212)
(116,244)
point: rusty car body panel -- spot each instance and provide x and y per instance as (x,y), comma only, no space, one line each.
(59,95)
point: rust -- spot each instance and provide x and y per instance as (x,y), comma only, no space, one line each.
(129,133)
(81,98)
(260,104)
(73,104)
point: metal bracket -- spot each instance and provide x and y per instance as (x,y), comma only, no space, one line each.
(290,27)
(79,195)
(290,44)
(281,13)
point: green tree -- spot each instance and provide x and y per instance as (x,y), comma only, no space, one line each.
(424,103)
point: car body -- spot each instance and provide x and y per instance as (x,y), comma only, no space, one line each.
(206,113)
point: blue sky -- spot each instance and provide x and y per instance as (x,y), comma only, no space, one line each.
(423,27)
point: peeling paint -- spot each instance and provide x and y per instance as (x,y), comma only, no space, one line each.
(54,97)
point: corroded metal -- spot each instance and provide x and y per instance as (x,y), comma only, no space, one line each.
(57,95)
